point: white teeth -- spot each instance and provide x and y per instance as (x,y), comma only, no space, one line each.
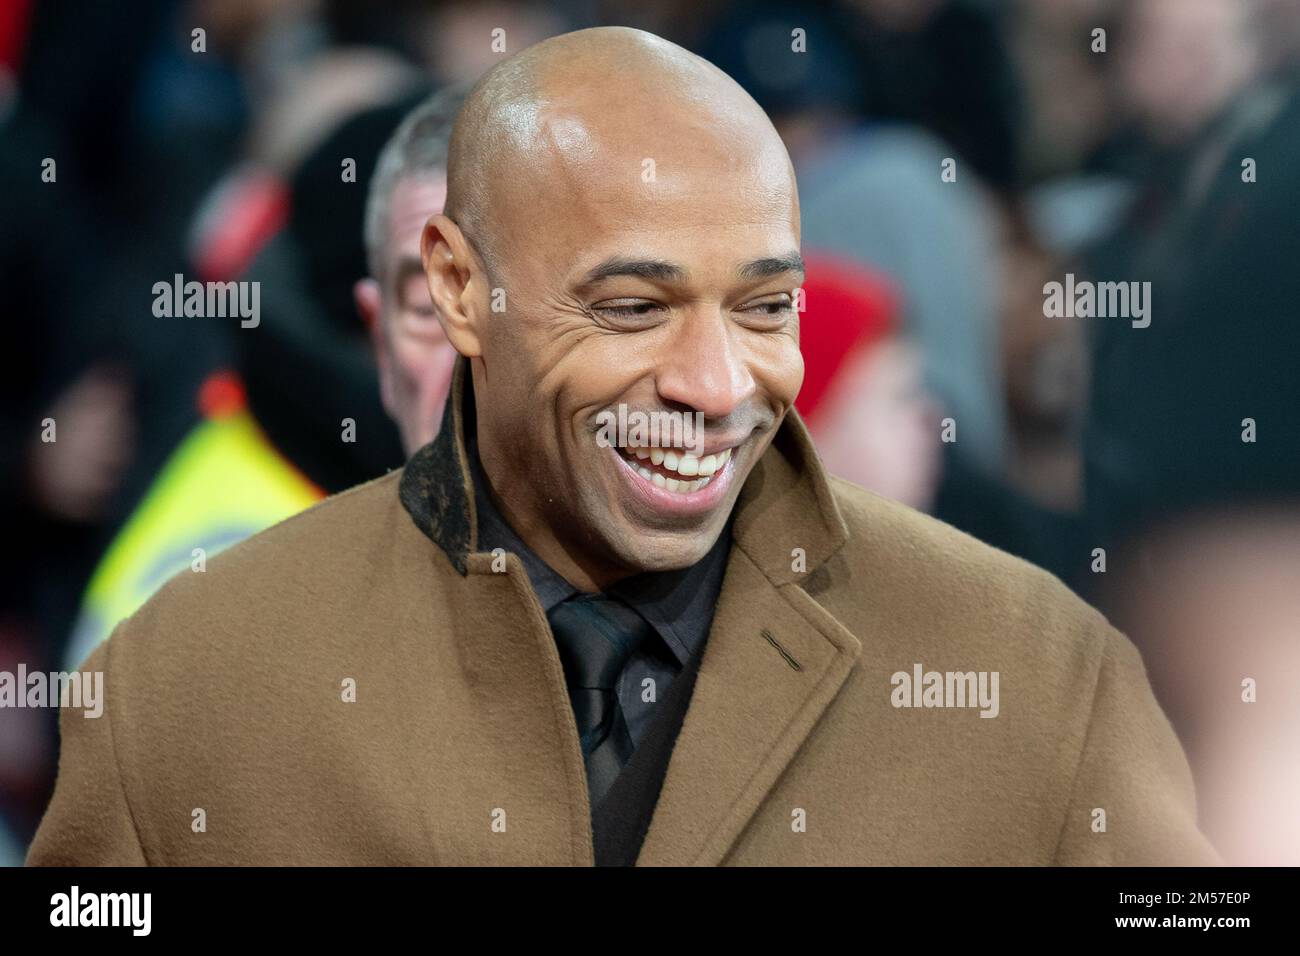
(709,465)
(684,463)
(688,466)
(671,484)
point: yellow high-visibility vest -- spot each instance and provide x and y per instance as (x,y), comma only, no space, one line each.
(224,482)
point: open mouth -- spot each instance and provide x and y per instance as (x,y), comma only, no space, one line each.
(676,471)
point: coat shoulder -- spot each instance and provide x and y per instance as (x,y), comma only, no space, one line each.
(307,581)
(956,586)
(878,524)
(330,541)
(226,681)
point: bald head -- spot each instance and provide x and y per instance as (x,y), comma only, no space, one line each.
(621,232)
(610,108)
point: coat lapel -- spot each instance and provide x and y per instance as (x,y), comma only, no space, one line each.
(774,661)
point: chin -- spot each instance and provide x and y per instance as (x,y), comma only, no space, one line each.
(664,551)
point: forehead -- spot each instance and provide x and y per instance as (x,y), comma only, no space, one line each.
(414,199)
(681,185)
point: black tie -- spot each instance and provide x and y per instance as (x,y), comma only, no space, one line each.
(596,636)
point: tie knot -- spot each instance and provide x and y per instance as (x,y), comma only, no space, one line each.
(596,635)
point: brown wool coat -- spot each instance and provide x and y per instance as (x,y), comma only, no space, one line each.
(224,693)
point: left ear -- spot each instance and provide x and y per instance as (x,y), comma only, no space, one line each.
(457,281)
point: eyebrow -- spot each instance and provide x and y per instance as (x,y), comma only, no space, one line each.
(407,267)
(772,266)
(654,270)
(657,270)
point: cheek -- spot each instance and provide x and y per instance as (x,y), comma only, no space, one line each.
(407,365)
(778,369)
(603,368)
(584,370)
(437,366)
(419,364)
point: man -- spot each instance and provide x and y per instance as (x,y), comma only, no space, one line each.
(530,648)
(411,350)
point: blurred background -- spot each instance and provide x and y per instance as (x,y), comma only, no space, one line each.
(954,157)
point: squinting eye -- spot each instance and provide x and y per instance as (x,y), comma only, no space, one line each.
(419,319)
(774,308)
(632,309)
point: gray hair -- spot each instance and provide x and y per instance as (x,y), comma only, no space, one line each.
(417,148)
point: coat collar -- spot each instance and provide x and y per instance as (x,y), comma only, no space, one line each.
(786,498)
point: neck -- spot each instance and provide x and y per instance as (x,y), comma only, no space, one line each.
(572,560)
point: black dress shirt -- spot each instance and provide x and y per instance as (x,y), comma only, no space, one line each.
(678,604)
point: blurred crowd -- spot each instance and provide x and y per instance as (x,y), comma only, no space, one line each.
(954,158)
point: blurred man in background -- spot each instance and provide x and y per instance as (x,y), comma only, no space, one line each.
(411,349)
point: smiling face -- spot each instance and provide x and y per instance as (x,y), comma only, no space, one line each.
(647,252)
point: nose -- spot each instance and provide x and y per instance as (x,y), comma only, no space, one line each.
(704,367)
